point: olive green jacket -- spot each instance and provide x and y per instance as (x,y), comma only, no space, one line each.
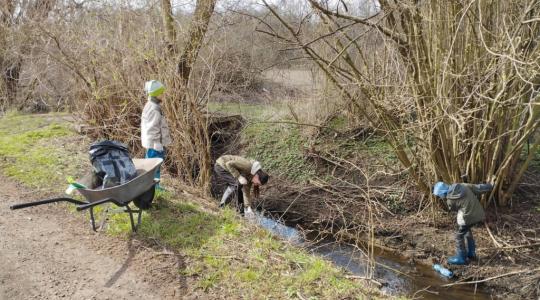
(238,165)
(462,197)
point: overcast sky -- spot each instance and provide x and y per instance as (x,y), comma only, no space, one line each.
(355,7)
(363,8)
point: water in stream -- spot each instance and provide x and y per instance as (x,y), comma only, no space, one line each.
(397,276)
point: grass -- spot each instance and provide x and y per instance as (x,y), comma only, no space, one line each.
(280,148)
(248,110)
(28,151)
(372,146)
(265,266)
(225,256)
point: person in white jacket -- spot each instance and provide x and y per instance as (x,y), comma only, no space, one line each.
(155,134)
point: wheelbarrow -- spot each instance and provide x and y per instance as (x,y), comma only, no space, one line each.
(139,190)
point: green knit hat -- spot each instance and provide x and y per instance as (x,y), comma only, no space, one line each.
(154,88)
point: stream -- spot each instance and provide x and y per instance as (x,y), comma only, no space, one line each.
(397,276)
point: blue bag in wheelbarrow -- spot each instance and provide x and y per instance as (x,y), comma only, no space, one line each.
(112,164)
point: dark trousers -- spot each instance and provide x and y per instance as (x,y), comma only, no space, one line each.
(463,232)
(223,177)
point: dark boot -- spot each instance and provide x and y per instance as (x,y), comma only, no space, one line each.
(240,200)
(471,247)
(461,255)
(459,258)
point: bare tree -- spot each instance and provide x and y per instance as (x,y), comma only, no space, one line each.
(9,68)
(452,85)
(17,20)
(168,22)
(192,147)
(196,33)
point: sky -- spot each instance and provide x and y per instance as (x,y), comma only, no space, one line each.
(355,7)
(362,8)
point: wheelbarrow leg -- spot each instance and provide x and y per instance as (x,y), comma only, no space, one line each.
(130,211)
(139,218)
(133,228)
(92,219)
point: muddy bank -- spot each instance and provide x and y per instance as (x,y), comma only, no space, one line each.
(392,274)
(422,235)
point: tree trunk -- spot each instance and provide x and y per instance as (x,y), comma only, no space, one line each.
(191,153)
(196,33)
(11,75)
(168,23)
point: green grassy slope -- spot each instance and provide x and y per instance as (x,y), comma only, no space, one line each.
(225,255)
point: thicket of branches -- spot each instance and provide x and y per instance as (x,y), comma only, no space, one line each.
(93,58)
(453,85)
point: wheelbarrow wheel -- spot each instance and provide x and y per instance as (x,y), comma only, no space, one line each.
(144,201)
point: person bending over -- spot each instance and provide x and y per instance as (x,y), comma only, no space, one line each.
(462,197)
(239,172)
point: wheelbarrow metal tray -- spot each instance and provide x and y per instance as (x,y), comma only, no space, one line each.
(128,191)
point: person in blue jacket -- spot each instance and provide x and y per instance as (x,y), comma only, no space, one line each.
(462,197)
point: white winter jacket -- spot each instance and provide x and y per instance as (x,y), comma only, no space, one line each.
(154,129)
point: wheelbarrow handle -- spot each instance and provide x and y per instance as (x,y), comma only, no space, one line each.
(47,201)
(86,205)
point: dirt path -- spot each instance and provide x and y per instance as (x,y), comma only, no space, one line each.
(48,253)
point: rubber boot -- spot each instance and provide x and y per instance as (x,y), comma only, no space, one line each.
(248,213)
(226,194)
(471,247)
(459,258)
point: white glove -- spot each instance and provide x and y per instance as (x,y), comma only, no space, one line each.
(242,180)
(248,213)
(158,147)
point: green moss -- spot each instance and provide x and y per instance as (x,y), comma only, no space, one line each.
(249,276)
(249,111)
(314,271)
(280,148)
(181,225)
(338,123)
